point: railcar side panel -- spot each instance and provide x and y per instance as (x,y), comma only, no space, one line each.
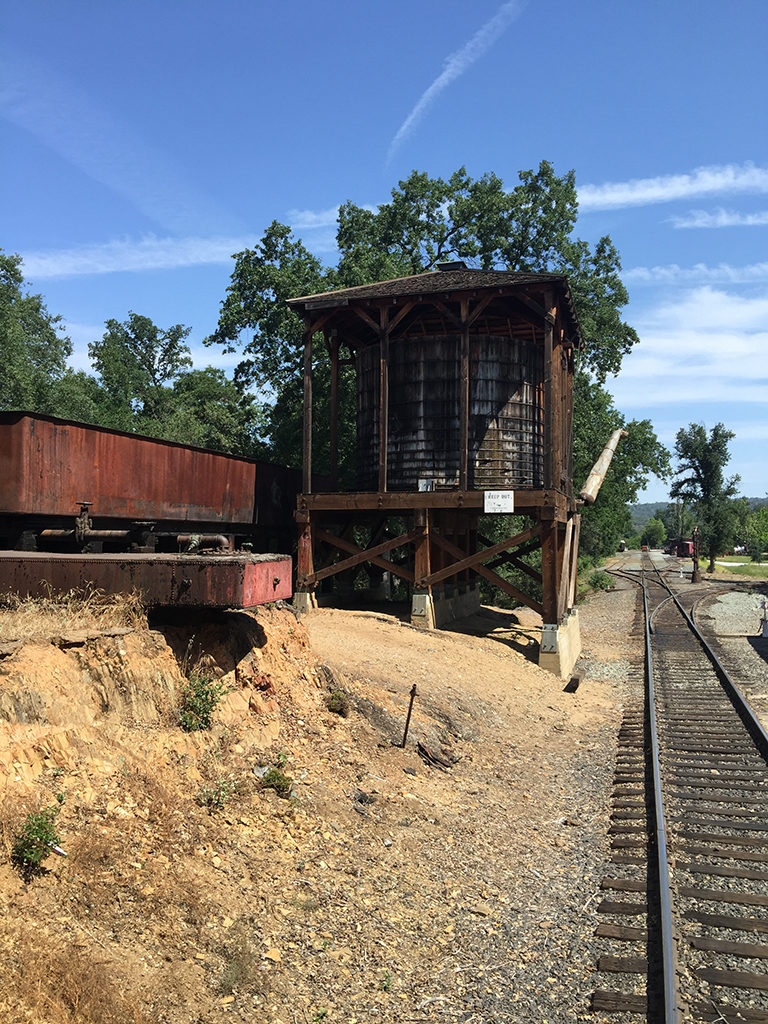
(49,466)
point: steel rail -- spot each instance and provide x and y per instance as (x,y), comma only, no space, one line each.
(743,706)
(669,962)
(754,725)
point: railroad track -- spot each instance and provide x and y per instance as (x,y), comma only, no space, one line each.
(686,908)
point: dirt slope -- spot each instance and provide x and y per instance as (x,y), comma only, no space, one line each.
(383,888)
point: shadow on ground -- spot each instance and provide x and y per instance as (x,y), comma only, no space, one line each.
(501,625)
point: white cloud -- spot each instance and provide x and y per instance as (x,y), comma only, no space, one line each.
(752,432)
(302,219)
(707,346)
(124,255)
(455,66)
(753,273)
(721,218)
(704,181)
(74,126)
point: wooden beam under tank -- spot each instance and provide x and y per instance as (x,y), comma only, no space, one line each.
(550,504)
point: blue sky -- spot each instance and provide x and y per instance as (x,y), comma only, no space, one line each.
(145,143)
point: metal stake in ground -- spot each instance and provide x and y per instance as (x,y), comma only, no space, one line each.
(408,719)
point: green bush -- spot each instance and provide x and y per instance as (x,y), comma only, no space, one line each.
(338,703)
(37,838)
(199,700)
(218,794)
(600,580)
(279,781)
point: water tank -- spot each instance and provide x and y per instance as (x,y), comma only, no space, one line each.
(505,413)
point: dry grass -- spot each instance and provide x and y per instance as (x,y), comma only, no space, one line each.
(240,958)
(49,983)
(80,610)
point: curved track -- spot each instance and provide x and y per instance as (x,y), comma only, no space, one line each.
(690,833)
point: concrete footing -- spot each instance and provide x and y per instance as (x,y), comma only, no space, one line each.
(431,611)
(560,645)
(304,600)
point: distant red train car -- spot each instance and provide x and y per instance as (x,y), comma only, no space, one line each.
(685,549)
(70,486)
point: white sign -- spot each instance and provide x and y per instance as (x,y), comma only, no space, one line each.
(499,501)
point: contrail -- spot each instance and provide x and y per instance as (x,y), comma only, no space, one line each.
(456,65)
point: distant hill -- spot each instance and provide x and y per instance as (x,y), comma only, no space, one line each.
(645,510)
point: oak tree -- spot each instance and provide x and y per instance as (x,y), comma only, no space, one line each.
(702,485)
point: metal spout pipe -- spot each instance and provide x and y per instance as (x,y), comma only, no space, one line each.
(595,479)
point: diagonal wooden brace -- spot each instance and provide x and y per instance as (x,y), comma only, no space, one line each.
(474,562)
(360,555)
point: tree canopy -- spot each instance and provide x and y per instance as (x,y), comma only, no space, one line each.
(637,456)
(528,228)
(428,220)
(33,348)
(143,379)
(654,533)
(136,361)
(701,484)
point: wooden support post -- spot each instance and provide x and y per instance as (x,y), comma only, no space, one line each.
(549,574)
(574,562)
(305,559)
(566,553)
(558,392)
(307,431)
(421,558)
(383,398)
(464,399)
(472,543)
(334,412)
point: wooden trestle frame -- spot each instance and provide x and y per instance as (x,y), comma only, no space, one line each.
(440,531)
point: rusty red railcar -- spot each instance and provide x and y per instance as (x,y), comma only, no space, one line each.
(83,506)
(191,581)
(130,491)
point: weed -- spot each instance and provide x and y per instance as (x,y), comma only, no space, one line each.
(386,982)
(241,959)
(600,580)
(320,1015)
(277,780)
(338,702)
(307,904)
(35,840)
(281,760)
(218,793)
(199,700)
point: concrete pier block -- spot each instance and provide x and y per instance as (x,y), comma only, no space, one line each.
(561,645)
(430,611)
(304,601)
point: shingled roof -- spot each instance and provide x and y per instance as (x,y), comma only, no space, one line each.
(448,282)
(430,283)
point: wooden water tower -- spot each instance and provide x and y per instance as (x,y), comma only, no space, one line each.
(464,406)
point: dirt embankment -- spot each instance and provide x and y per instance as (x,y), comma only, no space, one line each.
(382,888)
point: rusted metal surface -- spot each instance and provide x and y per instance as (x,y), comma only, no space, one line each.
(49,467)
(212,581)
